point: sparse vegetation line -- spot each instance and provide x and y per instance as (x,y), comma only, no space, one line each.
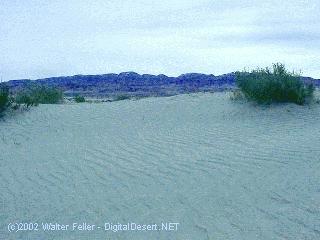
(263,85)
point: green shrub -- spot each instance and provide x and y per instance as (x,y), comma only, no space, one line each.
(35,94)
(79,99)
(26,98)
(121,97)
(4,98)
(275,85)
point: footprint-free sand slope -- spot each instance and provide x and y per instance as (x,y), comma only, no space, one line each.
(222,170)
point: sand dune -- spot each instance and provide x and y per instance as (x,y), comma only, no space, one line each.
(221,169)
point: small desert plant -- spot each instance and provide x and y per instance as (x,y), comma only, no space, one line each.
(4,98)
(35,94)
(121,97)
(79,99)
(237,95)
(275,85)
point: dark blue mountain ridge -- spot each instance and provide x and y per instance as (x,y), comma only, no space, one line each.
(134,84)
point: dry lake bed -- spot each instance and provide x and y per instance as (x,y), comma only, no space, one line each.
(219,169)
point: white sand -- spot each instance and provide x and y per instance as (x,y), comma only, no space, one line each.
(223,170)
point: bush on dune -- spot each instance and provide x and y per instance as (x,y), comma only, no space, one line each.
(79,99)
(121,97)
(4,98)
(274,85)
(26,99)
(35,94)
(31,95)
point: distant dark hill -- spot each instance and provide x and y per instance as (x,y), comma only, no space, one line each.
(132,83)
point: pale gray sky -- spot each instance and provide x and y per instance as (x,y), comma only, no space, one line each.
(43,38)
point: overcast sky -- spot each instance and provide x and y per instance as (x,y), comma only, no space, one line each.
(43,38)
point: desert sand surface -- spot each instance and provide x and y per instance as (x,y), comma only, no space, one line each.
(221,169)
